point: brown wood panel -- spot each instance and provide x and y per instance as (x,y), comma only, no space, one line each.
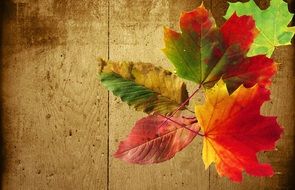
(136,34)
(281,105)
(54,115)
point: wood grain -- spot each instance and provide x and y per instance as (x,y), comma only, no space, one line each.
(55,113)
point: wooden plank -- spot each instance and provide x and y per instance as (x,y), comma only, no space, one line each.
(55,113)
(281,105)
(136,34)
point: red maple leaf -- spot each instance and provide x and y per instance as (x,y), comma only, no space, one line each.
(234,131)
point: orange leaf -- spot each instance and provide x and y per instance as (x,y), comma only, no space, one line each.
(234,131)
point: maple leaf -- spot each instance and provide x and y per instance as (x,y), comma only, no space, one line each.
(144,86)
(151,142)
(234,131)
(272,24)
(204,53)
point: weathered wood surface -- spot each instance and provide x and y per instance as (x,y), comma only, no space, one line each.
(54,113)
(60,126)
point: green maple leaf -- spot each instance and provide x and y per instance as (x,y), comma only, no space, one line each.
(272,24)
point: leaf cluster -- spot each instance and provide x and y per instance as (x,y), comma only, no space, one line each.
(232,64)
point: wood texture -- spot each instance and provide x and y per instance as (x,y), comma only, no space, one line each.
(55,113)
(60,127)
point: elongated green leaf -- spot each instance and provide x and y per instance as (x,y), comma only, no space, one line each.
(272,24)
(144,86)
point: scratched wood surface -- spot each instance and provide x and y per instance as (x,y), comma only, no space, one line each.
(60,126)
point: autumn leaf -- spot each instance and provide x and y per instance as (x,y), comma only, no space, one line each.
(272,24)
(252,70)
(144,86)
(234,131)
(203,53)
(198,38)
(152,142)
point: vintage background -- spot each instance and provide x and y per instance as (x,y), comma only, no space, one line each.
(60,126)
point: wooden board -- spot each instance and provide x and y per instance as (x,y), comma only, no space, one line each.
(54,115)
(60,127)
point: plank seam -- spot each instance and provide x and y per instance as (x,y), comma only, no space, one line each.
(108,126)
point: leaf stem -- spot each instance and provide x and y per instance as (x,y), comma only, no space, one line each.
(186,101)
(181,125)
(181,106)
(202,135)
(189,110)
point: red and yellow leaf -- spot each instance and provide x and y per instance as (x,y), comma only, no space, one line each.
(152,141)
(204,53)
(234,131)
